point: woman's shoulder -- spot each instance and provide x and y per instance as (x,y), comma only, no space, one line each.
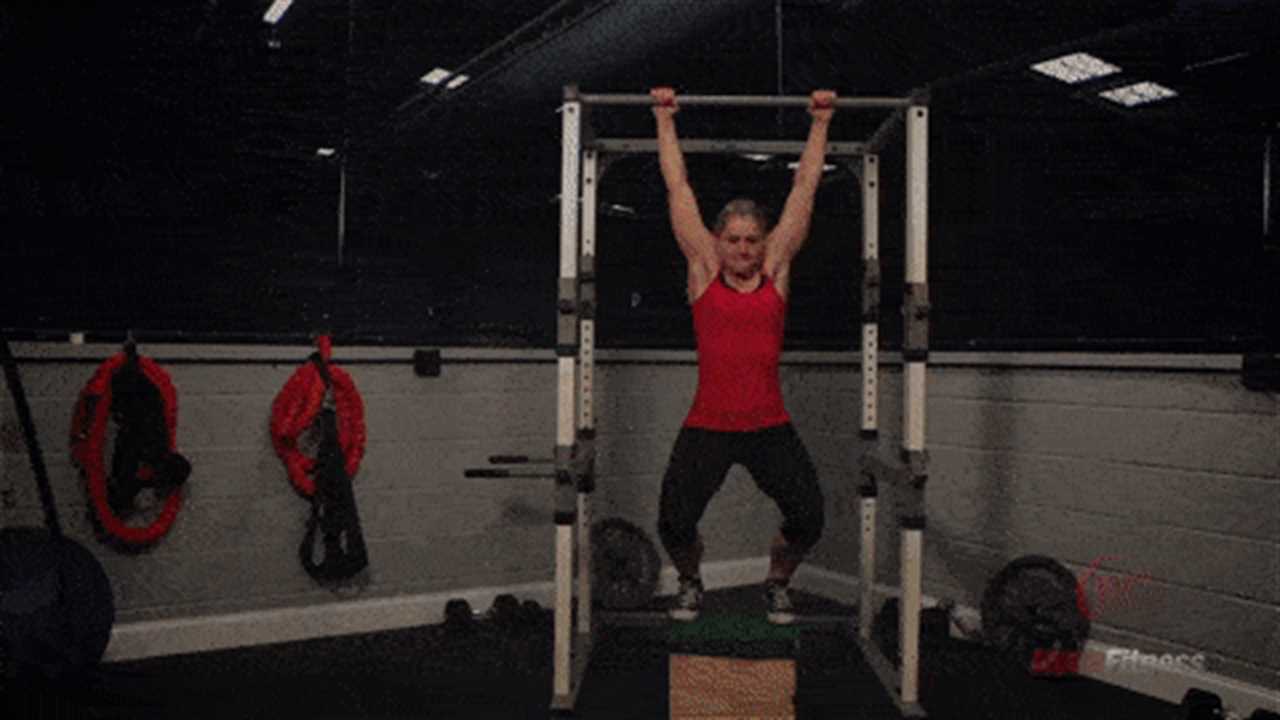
(701,277)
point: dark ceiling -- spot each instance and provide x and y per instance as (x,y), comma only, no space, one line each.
(151,104)
(193,119)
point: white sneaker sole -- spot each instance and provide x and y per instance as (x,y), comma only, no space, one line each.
(683,615)
(781,618)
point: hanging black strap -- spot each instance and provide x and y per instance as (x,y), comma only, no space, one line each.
(333,506)
(34,454)
(141,439)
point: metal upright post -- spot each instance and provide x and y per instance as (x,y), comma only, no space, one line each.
(566,356)
(586,385)
(915,363)
(870,378)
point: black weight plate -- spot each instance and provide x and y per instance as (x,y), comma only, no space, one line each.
(624,565)
(56,605)
(1031,605)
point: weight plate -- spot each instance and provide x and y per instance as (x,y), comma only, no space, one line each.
(624,565)
(56,605)
(1031,605)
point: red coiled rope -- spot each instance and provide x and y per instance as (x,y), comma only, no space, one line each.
(297,405)
(88,441)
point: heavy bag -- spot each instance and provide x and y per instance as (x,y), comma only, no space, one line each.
(56,606)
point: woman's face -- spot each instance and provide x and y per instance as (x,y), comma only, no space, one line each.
(741,245)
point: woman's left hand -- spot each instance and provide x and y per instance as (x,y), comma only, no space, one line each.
(822,104)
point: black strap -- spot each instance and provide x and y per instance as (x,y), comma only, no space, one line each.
(322,367)
(142,439)
(333,506)
(34,454)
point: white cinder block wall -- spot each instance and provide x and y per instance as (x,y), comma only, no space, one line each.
(1159,468)
(1164,466)
(234,546)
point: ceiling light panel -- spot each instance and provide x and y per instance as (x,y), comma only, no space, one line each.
(436,76)
(1075,68)
(276,11)
(1143,93)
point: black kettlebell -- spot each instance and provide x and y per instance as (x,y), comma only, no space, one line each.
(458,618)
(505,612)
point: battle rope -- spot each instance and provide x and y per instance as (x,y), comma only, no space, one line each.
(323,394)
(138,394)
(297,406)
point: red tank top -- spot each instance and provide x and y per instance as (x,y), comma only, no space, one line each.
(739,338)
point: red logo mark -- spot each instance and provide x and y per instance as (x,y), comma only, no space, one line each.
(1117,590)
(1064,663)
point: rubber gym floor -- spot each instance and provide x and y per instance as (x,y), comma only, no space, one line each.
(424,672)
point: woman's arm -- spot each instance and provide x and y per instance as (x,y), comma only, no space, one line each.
(789,235)
(694,238)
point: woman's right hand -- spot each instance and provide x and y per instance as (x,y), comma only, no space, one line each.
(664,101)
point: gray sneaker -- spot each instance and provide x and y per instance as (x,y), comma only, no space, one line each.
(688,600)
(780,610)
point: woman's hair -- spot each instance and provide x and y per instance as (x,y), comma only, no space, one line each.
(744,207)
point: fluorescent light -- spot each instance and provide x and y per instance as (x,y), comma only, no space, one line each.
(827,167)
(440,75)
(436,76)
(757,157)
(276,11)
(1075,68)
(325,152)
(1138,94)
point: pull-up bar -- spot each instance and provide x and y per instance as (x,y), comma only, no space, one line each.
(711,146)
(773,101)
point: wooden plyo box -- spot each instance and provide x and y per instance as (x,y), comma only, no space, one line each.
(727,688)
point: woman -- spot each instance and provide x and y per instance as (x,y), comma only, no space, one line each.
(739,276)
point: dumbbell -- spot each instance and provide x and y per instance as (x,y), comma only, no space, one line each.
(532,614)
(1200,704)
(458,617)
(510,614)
(505,613)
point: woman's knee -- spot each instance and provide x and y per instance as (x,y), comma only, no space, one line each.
(676,535)
(804,528)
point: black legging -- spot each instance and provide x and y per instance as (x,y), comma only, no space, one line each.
(777,461)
